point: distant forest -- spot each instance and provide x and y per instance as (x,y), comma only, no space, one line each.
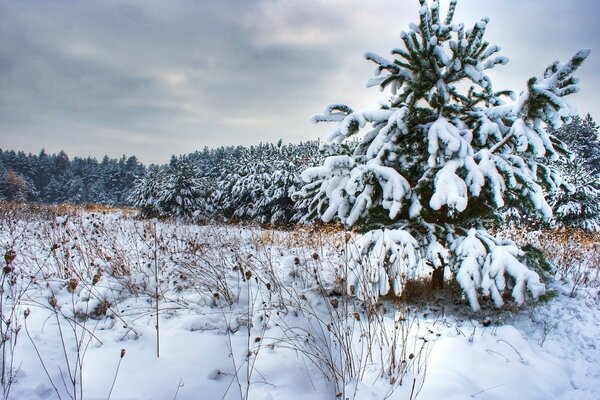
(55,178)
(209,179)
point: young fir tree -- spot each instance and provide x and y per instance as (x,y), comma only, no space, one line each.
(438,161)
(259,186)
(577,202)
(147,191)
(182,192)
(583,139)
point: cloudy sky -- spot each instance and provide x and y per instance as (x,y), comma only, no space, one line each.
(155,78)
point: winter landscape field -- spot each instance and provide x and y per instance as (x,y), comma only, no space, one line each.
(441,243)
(248,312)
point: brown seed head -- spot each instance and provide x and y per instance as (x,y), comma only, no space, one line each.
(335,303)
(9,256)
(73,282)
(122,353)
(52,301)
(26,312)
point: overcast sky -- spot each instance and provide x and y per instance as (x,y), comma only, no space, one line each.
(156,78)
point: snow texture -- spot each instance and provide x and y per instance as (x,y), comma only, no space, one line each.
(206,341)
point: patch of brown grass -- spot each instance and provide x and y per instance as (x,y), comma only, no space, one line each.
(574,252)
(47,211)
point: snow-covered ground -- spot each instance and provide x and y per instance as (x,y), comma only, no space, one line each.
(260,314)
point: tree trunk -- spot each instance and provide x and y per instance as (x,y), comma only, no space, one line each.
(437,277)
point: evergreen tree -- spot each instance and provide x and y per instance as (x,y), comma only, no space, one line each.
(261,182)
(3,173)
(146,192)
(441,158)
(182,192)
(583,139)
(577,204)
(61,163)
(43,172)
(53,191)
(75,190)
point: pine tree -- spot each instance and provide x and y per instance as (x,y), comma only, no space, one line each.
(439,161)
(75,190)
(43,170)
(582,138)
(182,194)
(146,192)
(257,184)
(577,203)
(52,191)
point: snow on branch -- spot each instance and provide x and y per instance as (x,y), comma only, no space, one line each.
(348,122)
(352,189)
(445,138)
(502,261)
(543,98)
(389,255)
(484,264)
(450,189)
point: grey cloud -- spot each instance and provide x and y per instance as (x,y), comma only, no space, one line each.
(155,78)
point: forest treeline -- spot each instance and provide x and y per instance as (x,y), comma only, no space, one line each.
(250,183)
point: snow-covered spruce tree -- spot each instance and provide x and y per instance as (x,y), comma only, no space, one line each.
(181,195)
(438,161)
(582,138)
(259,184)
(3,173)
(577,202)
(146,192)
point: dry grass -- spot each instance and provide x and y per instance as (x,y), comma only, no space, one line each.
(575,253)
(241,273)
(46,211)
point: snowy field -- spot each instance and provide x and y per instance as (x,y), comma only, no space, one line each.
(249,313)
